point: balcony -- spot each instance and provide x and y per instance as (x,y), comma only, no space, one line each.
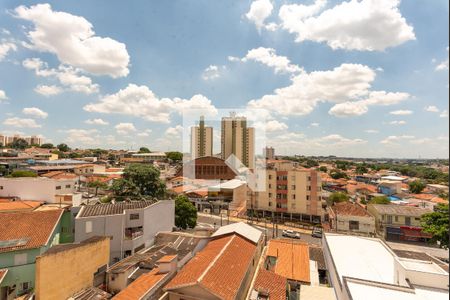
(133,233)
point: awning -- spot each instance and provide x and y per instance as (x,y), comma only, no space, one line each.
(415,233)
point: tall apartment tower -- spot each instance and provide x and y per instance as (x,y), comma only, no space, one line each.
(269,153)
(238,139)
(201,140)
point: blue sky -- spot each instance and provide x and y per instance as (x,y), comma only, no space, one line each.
(353,78)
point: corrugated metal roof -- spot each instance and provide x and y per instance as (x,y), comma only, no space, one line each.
(112,208)
(240,228)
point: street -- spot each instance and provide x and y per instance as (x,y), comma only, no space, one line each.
(214,222)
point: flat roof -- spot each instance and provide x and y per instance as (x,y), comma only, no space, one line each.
(361,257)
(422,266)
(403,210)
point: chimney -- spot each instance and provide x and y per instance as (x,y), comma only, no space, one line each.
(167,264)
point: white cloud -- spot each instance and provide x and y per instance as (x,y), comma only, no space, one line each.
(48,90)
(401,112)
(72,39)
(314,124)
(444,114)
(82,136)
(401,122)
(21,123)
(348,86)
(125,128)
(394,138)
(145,133)
(211,72)
(268,57)
(337,140)
(379,69)
(432,108)
(442,65)
(3,95)
(35,112)
(233,58)
(371,131)
(274,125)
(66,75)
(6,47)
(140,101)
(370,25)
(258,13)
(96,122)
(174,131)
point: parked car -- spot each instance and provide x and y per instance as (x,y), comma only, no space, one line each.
(317,232)
(291,234)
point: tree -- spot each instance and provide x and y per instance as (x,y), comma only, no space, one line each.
(63,147)
(74,155)
(361,169)
(47,146)
(379,200)
(19,144)
(323,169)
(175,156)
(436,223)
(185,213)
(22,173)
(144,150)
(311,163)
(123,188)
(336,174)
(337,197)
(97,184)
(416,186)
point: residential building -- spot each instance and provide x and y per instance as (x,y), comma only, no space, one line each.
(269,153)
(131,225)
(37,188)
(238,139)
(201,140)
(351,217)
(31,140)
(66,269)
(390,187)
(230,195)
(23,237)
(143,158)
(291,193)
(363,268)
(223,269)
(399,222)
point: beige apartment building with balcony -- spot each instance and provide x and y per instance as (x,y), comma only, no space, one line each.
(201,140)
(291,193)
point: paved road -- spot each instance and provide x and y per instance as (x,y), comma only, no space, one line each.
(213,222)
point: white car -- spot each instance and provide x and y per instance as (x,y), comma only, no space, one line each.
(291,234)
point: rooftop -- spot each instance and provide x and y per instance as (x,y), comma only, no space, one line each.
(3,274)
(66,247)
(403,210)
(271,283)
(349,209)
(240,228)
(59,175)
(112,208)
(27,230)
(142,285)
(9,205)
(91,293)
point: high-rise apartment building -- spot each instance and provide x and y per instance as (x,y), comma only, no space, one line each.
(238,139)
(31,140)
(269,153)
(201,140)
(291,193)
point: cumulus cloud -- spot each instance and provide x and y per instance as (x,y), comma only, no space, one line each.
(72,39)
(68,76)
(5,48)
(401,112)
(145,133)
(21,123)
(259,11)
(347,86)
(140,101)
(174,131)
(371,131)
(82,136)
(394,139)
(211,72)
(401,122)
(35,112)
(442,66)
(48,90)
(271,126)
(367,25)
(3,95)
(125,128)
(432,108)
(268,57)
(314,124)
(96,122)
(444,114)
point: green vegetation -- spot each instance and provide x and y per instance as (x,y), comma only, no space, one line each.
(47,146)
(337,197)
(19,144)
(22,173)
(379,200)
(336,174)
(185,213)
(97,184)
(436,223)
(175,156)
(416,186)
(63,147)
(323,169)
(361,169)
(144,150)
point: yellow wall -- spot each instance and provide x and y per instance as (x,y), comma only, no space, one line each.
(60,275)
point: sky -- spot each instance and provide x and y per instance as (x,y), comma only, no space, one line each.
(364,78)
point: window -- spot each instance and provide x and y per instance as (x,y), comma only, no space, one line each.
(270,176)
(270,195)
(389,219)
(293,205)
(270,203)
(58,187)
(88,226)
(20,259)
(134,216)
(396,218)
(307,197)
(407,220)
(309,187)
(1,187)
(309,178)
(67,186)
(270,186)
(293,187)
(353,225)
(25,285)
(293,196)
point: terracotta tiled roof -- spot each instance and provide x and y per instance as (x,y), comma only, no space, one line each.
(349,209)
(292,259)
(167,258)
(230,255)
(7,205)
(141,286)
(273,284)
(59,175)
(3,274)
(35,228)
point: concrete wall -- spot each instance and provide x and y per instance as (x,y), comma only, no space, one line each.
(366,224)
(60,275)
(30,188)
